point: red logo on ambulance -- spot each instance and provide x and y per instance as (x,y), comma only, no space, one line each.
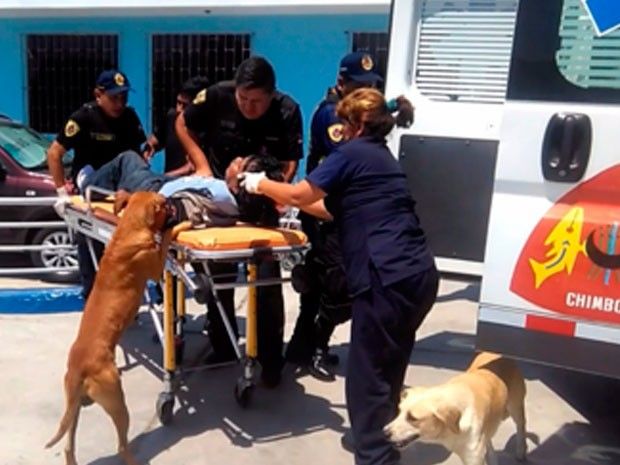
(571,261)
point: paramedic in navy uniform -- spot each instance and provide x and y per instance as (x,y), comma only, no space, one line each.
(390,270)
(326,302)
(236,119)
(97,132)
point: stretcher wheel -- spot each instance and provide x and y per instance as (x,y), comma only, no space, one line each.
(243,392)
(164,407)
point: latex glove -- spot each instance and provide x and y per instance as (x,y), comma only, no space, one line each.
(61,203)
(250,181)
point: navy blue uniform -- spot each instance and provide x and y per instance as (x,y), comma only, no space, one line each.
(326,303)
(227,134)
(391,275)
(97,139)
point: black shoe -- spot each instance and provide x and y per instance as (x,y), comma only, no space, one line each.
(219,358)
(346,441)
(332,359)
(319,367)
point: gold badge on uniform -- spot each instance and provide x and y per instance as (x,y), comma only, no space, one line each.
(119,79)
(367,63)
(71,128)
(201,97)
(335,132)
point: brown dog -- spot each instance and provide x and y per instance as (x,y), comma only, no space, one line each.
(464,413)
(132,256)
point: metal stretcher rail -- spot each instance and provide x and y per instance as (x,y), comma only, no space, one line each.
(87,219)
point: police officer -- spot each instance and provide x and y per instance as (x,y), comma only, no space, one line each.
(165,137)
(97,132)
(235,119)
(326,302)
(389,267)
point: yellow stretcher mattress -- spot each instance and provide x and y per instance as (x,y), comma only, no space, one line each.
(240,236)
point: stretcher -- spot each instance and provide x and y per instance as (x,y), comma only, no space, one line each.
(243,244)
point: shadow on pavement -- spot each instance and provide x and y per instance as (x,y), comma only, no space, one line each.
(205,401)
(471,292)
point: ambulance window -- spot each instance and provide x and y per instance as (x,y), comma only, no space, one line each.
(558,55)
(464,49)
(583,58)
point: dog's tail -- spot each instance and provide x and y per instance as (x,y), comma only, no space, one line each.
(73,383)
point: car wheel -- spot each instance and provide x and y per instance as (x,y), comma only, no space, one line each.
(55,258)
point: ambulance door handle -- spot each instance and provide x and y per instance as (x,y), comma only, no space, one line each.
(566,147)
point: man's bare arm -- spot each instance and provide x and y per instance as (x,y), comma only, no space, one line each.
(184,170)
(288,169)
(195,154)
(55,152)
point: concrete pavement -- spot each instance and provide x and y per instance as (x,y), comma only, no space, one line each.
(573,419)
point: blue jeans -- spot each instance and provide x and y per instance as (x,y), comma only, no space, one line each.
(128,171)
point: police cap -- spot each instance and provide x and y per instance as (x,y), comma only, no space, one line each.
(359,67)
(113,82)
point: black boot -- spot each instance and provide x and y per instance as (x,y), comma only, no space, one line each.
(319,367)
(332,359)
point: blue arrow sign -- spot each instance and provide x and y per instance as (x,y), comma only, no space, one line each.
(605,14)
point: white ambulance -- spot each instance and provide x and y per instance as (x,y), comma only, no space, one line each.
(515,162)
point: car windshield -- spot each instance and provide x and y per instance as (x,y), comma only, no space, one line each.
(25,146)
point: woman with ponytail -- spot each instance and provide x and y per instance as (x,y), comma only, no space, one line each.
(390,270)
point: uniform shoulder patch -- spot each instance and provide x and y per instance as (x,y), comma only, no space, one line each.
(201,97)
(335,132)
(71,128)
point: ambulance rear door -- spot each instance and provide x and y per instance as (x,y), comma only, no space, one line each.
(551,282)
(450,58)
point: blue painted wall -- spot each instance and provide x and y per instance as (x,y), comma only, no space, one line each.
(304,50)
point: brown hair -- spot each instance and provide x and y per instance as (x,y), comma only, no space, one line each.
(367,107)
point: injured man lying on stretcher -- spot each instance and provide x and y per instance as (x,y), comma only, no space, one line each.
(201,200)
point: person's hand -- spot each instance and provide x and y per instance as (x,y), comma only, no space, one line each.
(232,174)
(147,152)
(250,181)
(61,203)
(150,147)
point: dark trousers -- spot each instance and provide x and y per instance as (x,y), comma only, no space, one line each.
(326,304)
(270,315)
(85,262)
(384,323)
(303,340)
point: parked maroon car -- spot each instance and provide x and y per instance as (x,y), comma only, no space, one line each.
(24,173)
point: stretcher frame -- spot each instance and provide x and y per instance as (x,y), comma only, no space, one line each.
(95,225)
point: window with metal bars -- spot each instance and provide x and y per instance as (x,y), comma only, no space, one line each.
(376,44)
(584,58)
(62,70)
(464,49)
(177,57)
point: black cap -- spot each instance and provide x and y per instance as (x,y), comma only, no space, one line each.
(113,82)
(359,67)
